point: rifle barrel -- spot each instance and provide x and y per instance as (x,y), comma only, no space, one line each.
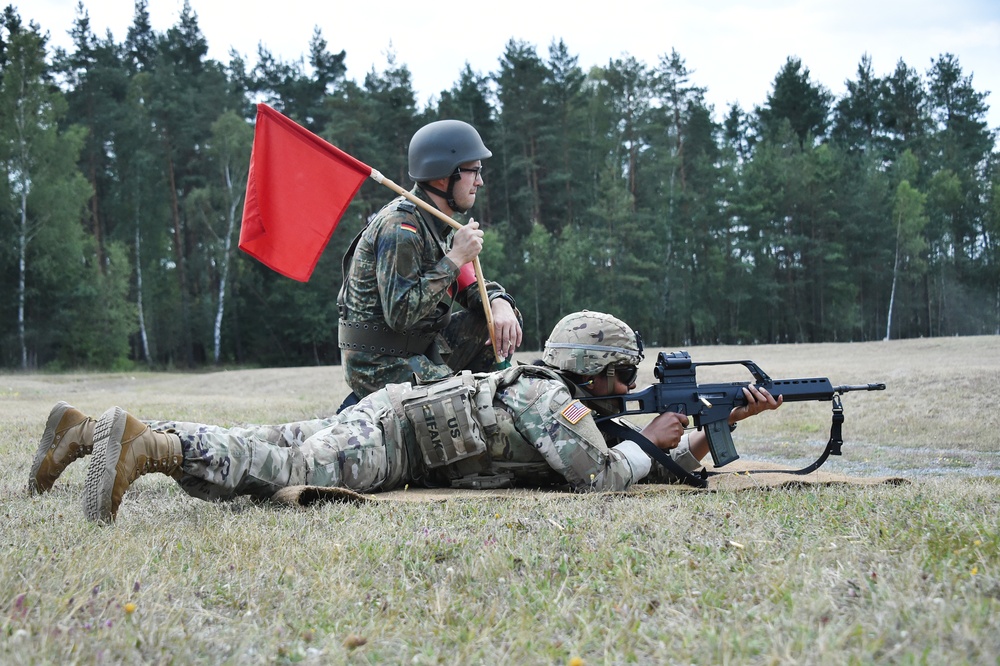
(879,386)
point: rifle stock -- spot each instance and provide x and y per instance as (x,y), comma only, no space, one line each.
(709,405)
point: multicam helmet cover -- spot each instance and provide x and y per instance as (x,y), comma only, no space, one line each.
(585,343)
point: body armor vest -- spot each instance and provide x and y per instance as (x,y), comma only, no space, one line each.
(462,438)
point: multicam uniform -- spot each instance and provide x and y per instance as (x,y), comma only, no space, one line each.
(532,432)
(395,306)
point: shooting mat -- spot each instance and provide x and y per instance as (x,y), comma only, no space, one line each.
(733,478)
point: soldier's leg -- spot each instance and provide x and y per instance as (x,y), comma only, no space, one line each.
(469,338)
(69,435)
(363,450)
(221,463)
(360,449)
(367,373)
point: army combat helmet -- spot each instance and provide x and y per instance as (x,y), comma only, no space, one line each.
(585,343)
(438,149)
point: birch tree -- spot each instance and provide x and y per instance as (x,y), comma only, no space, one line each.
(230,153)
(909,220)
(36,159)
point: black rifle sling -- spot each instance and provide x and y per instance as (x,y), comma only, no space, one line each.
(623,432)
(833,447)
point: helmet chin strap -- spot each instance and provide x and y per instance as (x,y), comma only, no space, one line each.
(448,196)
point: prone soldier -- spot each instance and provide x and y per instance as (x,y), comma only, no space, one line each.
(528,425)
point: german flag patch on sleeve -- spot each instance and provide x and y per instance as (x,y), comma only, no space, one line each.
(408,226)
(574,412)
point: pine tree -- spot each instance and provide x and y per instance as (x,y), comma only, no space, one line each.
(522,122)
(795,99)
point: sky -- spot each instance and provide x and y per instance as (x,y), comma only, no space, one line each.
(734,48)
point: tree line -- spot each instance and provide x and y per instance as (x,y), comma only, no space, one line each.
(809,218)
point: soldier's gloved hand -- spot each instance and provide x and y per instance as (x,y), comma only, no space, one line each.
(466,244)
(666,430)
(506,329)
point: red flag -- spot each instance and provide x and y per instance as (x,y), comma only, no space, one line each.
(297,190)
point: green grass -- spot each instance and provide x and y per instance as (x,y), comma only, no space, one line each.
(845,574)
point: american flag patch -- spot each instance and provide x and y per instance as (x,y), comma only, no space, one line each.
(408,226)
(575,411)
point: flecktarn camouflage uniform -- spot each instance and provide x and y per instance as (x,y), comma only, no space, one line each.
(400,281)
(539,435)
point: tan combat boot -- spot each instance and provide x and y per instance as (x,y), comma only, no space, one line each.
(125,448)
(68,436)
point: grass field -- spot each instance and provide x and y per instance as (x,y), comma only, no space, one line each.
(906,574)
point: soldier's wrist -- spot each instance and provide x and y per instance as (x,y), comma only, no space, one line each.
(505,296)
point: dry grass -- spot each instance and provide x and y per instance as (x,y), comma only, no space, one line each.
(845,574)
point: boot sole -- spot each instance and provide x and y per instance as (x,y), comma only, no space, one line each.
(48,437)
(102,470)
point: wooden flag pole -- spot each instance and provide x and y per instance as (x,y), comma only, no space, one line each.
(382,180)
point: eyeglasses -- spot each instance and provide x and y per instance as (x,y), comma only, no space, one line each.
(627,373)
(476,170)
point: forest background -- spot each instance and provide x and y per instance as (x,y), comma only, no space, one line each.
(810,218)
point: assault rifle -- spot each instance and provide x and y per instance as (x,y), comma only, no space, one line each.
(708,406)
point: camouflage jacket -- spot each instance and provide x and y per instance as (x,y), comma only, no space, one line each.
(399,276)
(544,436)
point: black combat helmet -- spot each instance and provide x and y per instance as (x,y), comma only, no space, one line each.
(437,150)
